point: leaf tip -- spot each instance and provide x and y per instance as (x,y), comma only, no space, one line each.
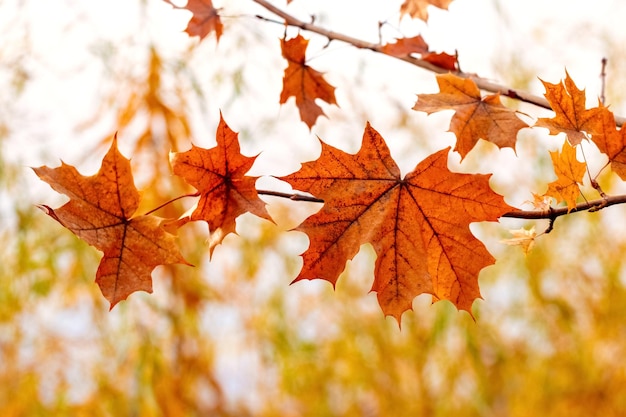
(50,212)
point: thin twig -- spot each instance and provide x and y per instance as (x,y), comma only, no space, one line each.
(482,83)
(196,194)
(294,197)
(553,213)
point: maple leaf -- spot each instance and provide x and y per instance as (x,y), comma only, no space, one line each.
(418,226)
(100,212)
(406,46)
(571,115)
(540,202)
(303,82)
(611,141)
(416,45)
(205,18)
(522,237)
(219,175)
(569,173)
(474,117)
(418,8)
(442,60)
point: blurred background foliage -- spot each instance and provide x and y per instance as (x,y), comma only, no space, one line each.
(230,337)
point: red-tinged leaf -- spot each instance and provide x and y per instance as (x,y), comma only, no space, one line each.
(416,45)
(611,141)
(475,117)
(418,8)
(406,46)
(204,20)
(419,225)
(303,82)
(571,115)
(100,212)
(219,175)
(442,60)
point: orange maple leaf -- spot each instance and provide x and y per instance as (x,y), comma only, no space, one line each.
(419,225)
(100,212)
(406,46)
(219,175)
(442,60)
(569,173)
(418,8)
(416,45)
(204,20)
(571,115)
(303,82)
(475,117)
(611,141)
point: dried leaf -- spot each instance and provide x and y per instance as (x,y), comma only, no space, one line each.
(540,202)
(406,46)
(100,212)
(522,237)
(442,60)
(419,225)
(303,82)
(416,45)
(569,173)
(205,18)
(611,141)
(418,8)
(571,115)
(474,117)
(219,175)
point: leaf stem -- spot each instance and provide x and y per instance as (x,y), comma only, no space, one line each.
(196,194)
(294,197)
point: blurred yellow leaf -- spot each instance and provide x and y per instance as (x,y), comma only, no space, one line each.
(522,237)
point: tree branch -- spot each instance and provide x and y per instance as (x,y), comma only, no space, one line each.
(553,213)
(482,83)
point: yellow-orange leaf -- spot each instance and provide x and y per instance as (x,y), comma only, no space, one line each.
(540,202)
(100,212)
(419,225)
(219,175)
(204,20)
(303,82)
(475,117)
(611,141)
(571,115)
(522,237)
(569,173)
(418,8)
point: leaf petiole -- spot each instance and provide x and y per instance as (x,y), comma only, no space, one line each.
(196,194)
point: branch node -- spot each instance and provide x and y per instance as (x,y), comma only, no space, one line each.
(553,217)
